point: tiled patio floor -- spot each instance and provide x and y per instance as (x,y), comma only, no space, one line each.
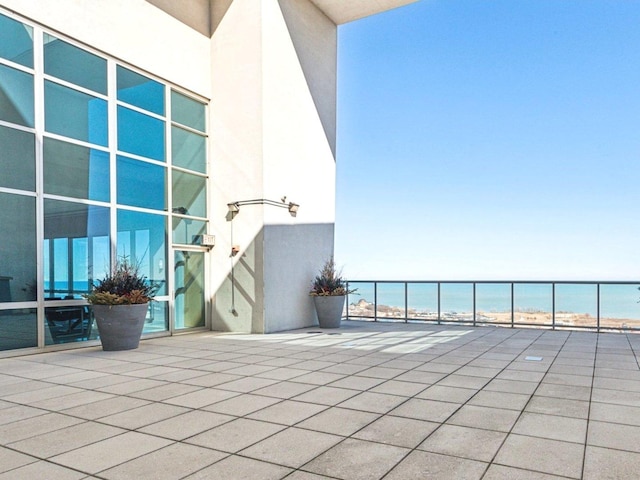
(367,401)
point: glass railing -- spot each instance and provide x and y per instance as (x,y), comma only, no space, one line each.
(545,304)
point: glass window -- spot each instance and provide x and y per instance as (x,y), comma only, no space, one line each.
(140,134)
(17,159)
(68,323)
(157,317)
(18,328)
(141,184)
(189,303)
(189,194)
(74,65)
(184,229)
(75,114)
(187,111)
(140,91)
(18,269)
(16,96)
(75,171)
(74,238)
(188,150)
(142,238)
(16,41)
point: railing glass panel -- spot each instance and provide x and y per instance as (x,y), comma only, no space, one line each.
(493,303)
(422,301)
(456,302)
(619,307)
(576,305)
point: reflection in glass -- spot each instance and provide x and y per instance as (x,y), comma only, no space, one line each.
(619,306)
(185,229)
(140,134)
(68,323)
(75,171)
(189,284)
(532,303)
(63,60)
(75,114)
(17,159)
(18,328)
(157,318)
(189,194)
(493,302)
(188,150)
(75,236)
(422,301)
(140,184)
(576,305)
(18,269)
(142,238)
(140,91)
(16,96)
(187,111)
(16,41)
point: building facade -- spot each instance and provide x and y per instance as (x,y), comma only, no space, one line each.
(127,127)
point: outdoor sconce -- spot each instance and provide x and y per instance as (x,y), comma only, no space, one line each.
(234,207)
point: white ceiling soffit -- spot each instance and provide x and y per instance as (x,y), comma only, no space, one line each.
(343,11)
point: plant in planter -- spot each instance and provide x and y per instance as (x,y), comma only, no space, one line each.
(329,290)
(120,302)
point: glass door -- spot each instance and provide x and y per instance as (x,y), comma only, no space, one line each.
(189,280)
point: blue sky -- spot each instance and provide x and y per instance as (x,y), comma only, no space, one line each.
(490,139)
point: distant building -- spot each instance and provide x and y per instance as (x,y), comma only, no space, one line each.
(128,126)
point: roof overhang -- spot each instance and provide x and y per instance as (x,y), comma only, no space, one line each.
(341,11)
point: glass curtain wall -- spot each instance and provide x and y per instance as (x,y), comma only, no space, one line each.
(114,172)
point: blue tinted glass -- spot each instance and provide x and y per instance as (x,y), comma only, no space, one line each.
(75,171)
(189,194)
(17,159)
(140,184)
(19,328)
(16,42)
(185,229)
(140,91)
(187,111)
(69,228)
(17,248)
(188,150)
(74,65)
(74,114)
(140,134)
(16,96)
(143,237)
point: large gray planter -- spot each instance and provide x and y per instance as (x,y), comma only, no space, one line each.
(329,309)
(120,326)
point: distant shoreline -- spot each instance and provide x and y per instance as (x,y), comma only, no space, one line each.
(366,309)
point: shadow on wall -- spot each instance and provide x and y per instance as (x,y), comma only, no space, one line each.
(268,289)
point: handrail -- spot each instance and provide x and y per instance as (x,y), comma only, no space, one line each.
(606,305)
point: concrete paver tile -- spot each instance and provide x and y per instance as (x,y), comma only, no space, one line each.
(484,417)
(357,460)
(399,431)
(169,463)
(108,453)
(607,464)
(338,421)
(434,466)
(292,447)
(234,468)
(465,442)
(542,455)
(235,435)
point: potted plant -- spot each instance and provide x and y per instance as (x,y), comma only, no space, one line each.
(329,290)
(120,302)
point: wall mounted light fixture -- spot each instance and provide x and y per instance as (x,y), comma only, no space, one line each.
(234,207)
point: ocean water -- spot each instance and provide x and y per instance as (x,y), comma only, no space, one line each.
(616,300)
